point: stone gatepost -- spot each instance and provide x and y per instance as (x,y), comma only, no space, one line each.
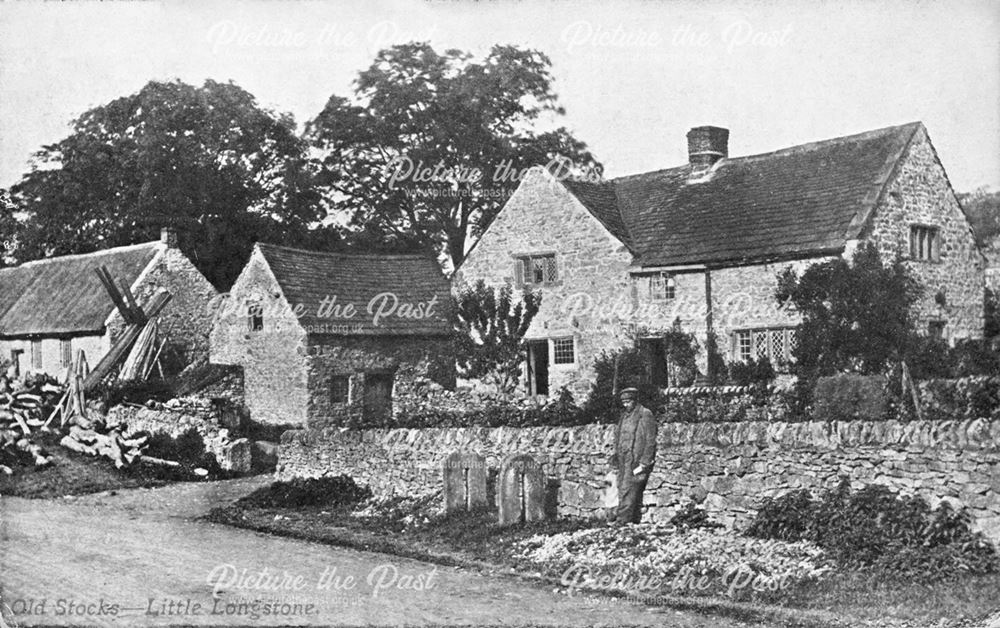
(464,481)
(522,490)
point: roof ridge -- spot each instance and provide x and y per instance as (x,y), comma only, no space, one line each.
(797,148)
(341,253)
(73,256)
(809,146)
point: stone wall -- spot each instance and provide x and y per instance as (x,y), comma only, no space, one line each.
(920,194)
(728,466)
(176,417)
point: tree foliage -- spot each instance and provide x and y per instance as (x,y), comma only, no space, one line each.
(856,317)
(401,154)
(983,209)
(491,325)
(992,314)
(207,160)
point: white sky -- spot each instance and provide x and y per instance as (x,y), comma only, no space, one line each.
(632,76)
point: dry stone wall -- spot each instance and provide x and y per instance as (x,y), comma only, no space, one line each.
(727,466)
(176,417)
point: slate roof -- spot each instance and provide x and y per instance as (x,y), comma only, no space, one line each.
(795,202)
(62,296)
(309,277)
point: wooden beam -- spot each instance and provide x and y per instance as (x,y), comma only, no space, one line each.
(116,296)
(137,313)
(121,346)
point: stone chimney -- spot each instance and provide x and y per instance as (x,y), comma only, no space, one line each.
(168,236)
(706,146)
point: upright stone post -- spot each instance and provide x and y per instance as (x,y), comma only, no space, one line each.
(464,481)
(522,490)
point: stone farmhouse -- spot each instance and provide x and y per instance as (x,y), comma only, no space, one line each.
(53,307)
(330,338)
(703,243)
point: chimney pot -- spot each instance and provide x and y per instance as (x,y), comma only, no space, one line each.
(707,145)
(168,236)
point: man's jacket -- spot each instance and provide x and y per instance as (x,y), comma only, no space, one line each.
(635,441)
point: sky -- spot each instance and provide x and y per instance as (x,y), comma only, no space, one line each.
(633,76)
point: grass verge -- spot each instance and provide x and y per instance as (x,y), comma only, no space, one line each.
(73,473)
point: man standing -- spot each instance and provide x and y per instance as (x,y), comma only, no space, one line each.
(635,451)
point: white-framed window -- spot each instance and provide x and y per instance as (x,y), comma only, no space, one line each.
(563,351)
(65,351)
(340,389)
(925,243)
(662,287)
(774,343)
(935,329)
(536,269)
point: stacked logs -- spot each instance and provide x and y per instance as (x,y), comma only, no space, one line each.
(21,419)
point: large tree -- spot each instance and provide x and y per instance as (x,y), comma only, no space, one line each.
(401,155)
(207,160)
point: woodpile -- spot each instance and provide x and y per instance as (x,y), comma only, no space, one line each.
(21,418)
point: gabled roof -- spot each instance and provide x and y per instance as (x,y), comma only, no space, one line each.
(799,201)
(62,296)
(306,278)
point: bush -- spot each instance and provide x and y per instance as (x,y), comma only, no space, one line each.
(562,411)
(602,405)
(933,358)
(850,396)
(752,372)
(692,517)
(298,492)
(959,399)
(875,528)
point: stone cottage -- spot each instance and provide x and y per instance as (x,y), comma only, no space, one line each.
(331,338)
(703,243)
(53,307)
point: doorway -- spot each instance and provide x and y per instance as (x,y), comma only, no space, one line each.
(655,358)
(378,398)
(538,367)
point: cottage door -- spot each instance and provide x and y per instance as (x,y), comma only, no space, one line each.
(378,397)
(538,367)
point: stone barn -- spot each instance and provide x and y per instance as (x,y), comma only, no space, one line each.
(331,338)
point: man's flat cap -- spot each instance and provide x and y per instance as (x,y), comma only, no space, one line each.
(629,391)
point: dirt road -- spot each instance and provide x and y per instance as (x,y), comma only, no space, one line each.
(140,558)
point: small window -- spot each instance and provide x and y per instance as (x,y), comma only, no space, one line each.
(662,287)
(15,357)
(935,329)
(36,355)
(925,243)
(563,351)
(340,389)
(537,270)
(66,352)
(743,346)
(255,316)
